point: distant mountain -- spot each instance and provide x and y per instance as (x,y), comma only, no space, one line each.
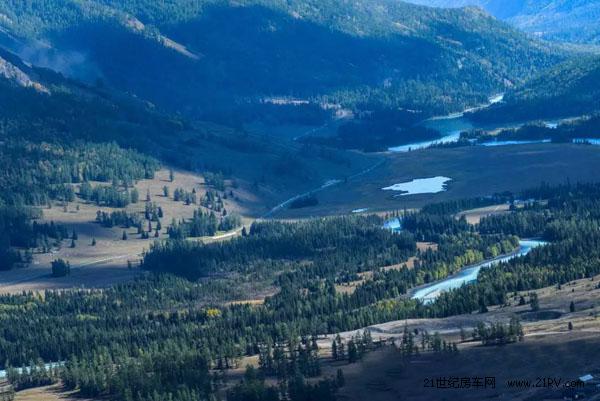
(228,61)
(569,89)
(563,20)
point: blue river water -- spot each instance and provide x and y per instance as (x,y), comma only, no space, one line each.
(469,274)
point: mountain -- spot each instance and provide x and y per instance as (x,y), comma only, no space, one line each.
(232,60)
(569,89)
(562,20)
(40,108)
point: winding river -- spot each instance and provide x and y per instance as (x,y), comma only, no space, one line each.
(469,274)
(450,127)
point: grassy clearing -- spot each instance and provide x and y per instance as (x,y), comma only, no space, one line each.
(107,262)
(474,216)
(550,350)
(476,171)
(47,393)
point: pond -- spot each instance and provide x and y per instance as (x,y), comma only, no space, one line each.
(431,185)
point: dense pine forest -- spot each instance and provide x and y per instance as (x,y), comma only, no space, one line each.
(385,55)
(261,108)
(567,90)
(182,330)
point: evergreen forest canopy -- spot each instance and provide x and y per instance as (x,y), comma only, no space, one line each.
(153,71)
(179,329)
(569,89)
(199,55)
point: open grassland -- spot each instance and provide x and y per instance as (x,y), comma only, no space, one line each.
(550,350)
(385,376)
(552,318)
(109,260)
(474,216)
(47,393)
(276,167)
(475,171)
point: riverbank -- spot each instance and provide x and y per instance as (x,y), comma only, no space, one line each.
(430,292)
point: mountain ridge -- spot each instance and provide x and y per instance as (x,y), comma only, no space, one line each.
(361,54)
(561,20)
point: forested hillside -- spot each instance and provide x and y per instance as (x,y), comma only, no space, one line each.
(161,336)
(563,20)
(215,60)
(569,89)
(56,133)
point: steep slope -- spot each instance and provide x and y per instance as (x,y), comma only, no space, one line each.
(563,20)
(220,60)
(39,106)
(569,89)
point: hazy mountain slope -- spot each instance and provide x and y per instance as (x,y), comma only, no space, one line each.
(569,89)
(40,106)
(215,59)
(563,20)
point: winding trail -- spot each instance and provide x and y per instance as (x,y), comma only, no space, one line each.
(73,268)
(326,185)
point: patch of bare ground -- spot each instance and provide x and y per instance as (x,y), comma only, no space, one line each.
(552,319)
(424,246)
(349,288)
(550,350)
(54,392)
(385,376)
(108,261)
(474,216)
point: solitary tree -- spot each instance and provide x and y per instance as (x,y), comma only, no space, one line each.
(339,378)
(572,307)
(171,175)
(135,196)
(124,237)
(334,351)
(60,268)
(534,302)
(352,352)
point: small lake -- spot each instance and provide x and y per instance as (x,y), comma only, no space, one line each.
(469,274)
(432,185)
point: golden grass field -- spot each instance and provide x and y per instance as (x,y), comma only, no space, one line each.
(107,262)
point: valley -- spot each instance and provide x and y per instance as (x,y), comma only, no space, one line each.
(475,171)
(299,200)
